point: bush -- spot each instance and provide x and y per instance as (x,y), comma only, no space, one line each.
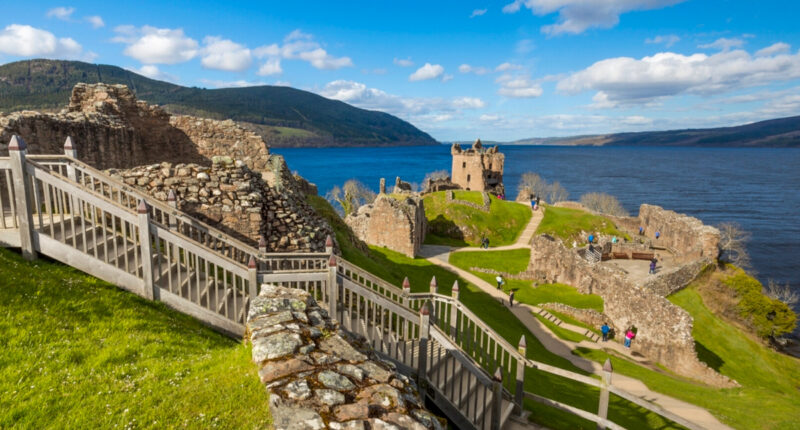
(769,317)
(603,203)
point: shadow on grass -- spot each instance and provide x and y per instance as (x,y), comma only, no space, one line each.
(445,232)
(708,357)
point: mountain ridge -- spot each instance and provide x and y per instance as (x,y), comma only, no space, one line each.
(284,116)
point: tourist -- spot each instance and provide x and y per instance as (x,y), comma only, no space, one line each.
(511,299)
(537,200)
(605,329)
(641,230)
(658,234)
(591,238)
(614,239)
(653,263)
(533,204)
(483,241)
(500,281)
(486,243)
(629,335)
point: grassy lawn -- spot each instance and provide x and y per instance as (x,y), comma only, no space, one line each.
(511,261)
(393,267)
(560,331)
(568,224)
(502,224)
(78,352)
(469,196)
(769,397)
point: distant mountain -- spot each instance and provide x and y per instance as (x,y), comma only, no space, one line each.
(781,132)
(284,116)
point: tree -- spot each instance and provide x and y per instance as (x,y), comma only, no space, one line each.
(531,184)
(556,193)
(603,203)
(436,176)
(351,196)
(783,293)
(732,241)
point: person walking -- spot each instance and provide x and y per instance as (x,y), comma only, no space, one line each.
(605,329)
(511,299)
(629,335)
(653,266)
(486,243)
(500,281)
(658,234)
(641,230)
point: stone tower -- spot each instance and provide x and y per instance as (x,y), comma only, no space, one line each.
(478,169)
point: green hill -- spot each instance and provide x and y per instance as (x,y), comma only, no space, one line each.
(275,112)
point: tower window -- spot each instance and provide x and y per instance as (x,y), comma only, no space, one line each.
(464,165)
(490,166)
(468,178)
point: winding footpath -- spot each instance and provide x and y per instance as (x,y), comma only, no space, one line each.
(440,255)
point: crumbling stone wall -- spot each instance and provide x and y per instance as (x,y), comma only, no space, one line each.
(587,316)
(319,377)
(234,198)
(674,279)
(478,169)
(398,224)
(664,329)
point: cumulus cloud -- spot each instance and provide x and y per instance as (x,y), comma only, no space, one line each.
(27,41)
(505,67)
(625,81)
(777,48)
(403,62)
(95,20)
(723,44)
(478,12)
(468,103)
(519,86)
(489,118)
(62,13)
(466,68)
(271,67)
(668,40)
(224,54)
(576,16)
(231,84)
(153,72)
(298,45)
(426,72)
(152,45)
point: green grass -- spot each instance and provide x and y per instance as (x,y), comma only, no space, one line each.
(768,317)
(78,352)
(393,267)
(568,224)
(570,320)
(561,332)
(511,261)
(502,224)
(469,196)
(769,397)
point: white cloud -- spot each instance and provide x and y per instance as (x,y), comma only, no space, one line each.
(27,41)
(426,72)
(489,118)
(466,68)
(478,12)
(777,48)
(469,103)
(519,86)
(506,67)
(524,46)
(153,72)
(231,84)
(576,16)
(447,78)
(403,62)
(152,45)
(223,54)
(668,40)
(62,13)
(301,46)
(624,80)
(95,20)
(271,67)
(723,44)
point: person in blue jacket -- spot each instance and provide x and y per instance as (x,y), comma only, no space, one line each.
(605,329)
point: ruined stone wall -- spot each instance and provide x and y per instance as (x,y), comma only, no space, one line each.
(223,138)
(235,199)
(478,169)
(672,280)
(664,329)
(587,316)
(318,377)
(399,225)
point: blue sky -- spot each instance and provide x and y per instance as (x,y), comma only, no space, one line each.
(458,70)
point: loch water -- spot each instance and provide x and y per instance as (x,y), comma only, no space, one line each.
(759,188)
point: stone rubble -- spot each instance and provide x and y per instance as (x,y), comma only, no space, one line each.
(335,383)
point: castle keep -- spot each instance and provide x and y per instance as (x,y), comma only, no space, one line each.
(478,169)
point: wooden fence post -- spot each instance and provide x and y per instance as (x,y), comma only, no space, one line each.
(497,399)
(70,151)
(602,410)
(262,244)
(519,394)
(434,286)
(22,196)
(172,201)
(252,277)
(424,335)
(148,287)
(455,293)
(329,245)
(434,290)
(333,289)
(406,291)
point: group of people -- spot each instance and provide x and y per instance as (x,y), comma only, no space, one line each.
(535,202)
(630,334)
(641,232)
(485,242)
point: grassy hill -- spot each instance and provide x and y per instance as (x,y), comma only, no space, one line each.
(569,224)
(780,132)
(76,352)
(279,113)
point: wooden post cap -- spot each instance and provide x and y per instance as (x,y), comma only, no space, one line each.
(171,196)
(252,263)
(498,375)
(406,284)
(425,310)
(433,282)
(262,243)
(455,286)
(16,144)
(68,144)
(522,342)
(142,208)
(607,366)
(329,242)
(332,261)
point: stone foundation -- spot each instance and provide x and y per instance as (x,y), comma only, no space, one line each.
(320,378)
(399,225)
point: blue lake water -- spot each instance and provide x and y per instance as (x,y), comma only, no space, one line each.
(757,187)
